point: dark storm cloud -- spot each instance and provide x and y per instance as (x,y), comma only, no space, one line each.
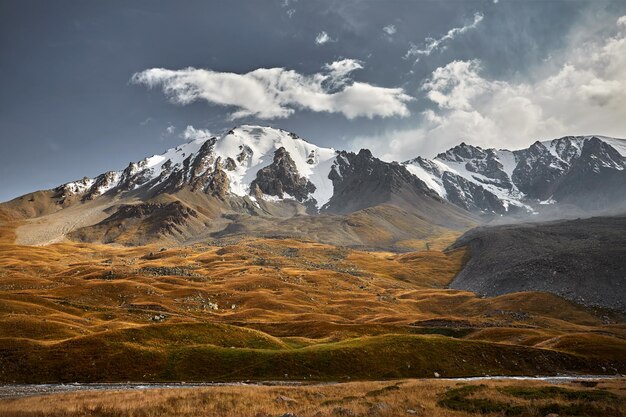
(67,108)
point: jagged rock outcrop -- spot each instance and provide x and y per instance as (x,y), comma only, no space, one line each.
(469,195)
(282,177)
(537,171)
(596,178)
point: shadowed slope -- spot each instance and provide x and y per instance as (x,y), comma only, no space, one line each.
(581,260)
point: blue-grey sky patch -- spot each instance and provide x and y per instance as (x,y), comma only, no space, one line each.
(431,45)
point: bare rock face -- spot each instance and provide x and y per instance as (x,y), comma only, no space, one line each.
(480,161)
(461,153)
(537,171)
(589,173)
(471,177)
(360,180)
(70,192)
(470,196)
(102,183)
(135,174)
(596,178)
(204,160)
(282,177)
(230,164)
(169,215)
(205,173)
(218,185)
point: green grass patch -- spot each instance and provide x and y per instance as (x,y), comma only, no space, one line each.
(443,331)
(458,399)
(190,334)
(216,352)
(532,393)
(597,403)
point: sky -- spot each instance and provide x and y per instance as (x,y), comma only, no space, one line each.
(88,86)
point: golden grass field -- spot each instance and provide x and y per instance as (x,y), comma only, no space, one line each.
(276,309)
(427,398)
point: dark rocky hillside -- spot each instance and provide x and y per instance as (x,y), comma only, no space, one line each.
(581,260)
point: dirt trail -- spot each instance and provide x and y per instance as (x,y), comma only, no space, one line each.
(53,228)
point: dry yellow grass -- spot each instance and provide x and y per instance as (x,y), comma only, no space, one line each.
(68,288)
(81,288)
(69,299)
(398,398)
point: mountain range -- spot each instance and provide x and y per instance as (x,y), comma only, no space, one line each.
(585,171)
(264,181)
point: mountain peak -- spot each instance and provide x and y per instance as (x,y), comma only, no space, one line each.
(235,156)
(477,179)
(527,179)
(461,152)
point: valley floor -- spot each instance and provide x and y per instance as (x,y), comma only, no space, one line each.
(432,398)
(277,309)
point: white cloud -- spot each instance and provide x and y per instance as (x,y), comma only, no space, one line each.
(621,21)
(323,38)
(432,44)
(580,91)
(390,30)
(453,86)
(269,93)
(191,133)
(338,70)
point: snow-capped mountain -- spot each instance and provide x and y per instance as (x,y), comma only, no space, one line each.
(266,181)
(251,180)
(586,171)
(268,165)
(253,161)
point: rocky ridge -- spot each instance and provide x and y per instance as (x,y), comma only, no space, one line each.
(275,175)
(586,171)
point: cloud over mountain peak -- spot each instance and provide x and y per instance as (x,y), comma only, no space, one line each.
(271,93)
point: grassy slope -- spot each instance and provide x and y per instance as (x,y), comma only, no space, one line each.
(85,312)
(152,355)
